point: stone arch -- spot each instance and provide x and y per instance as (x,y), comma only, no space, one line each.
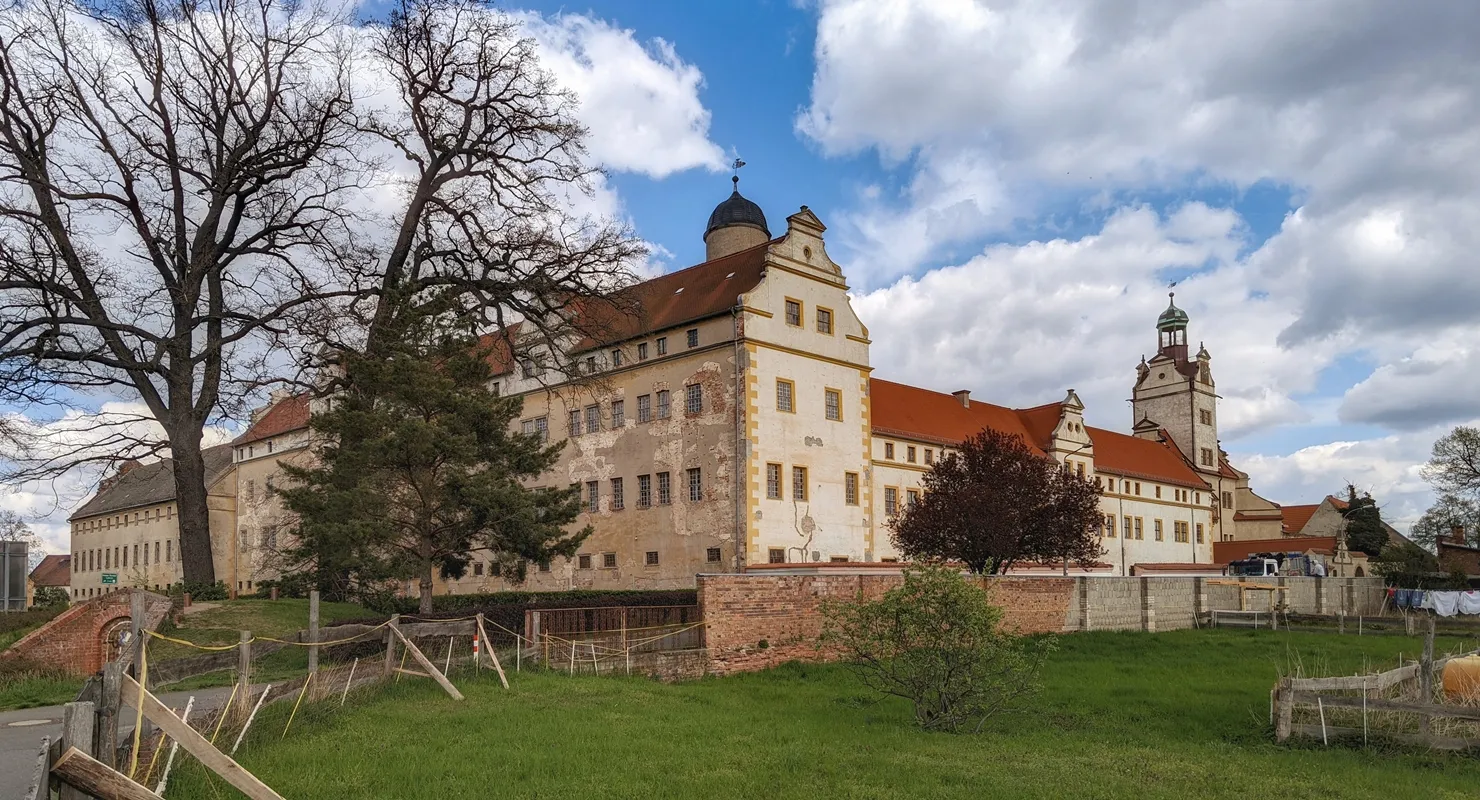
(1361,573)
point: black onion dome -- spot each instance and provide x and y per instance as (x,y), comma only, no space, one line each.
(736,210)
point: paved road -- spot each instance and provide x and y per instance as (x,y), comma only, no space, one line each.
(21,732)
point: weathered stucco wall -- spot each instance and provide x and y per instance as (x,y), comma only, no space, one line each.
(757,621)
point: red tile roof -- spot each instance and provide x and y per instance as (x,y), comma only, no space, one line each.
(500,346)
(1224,552)
(53,571)
(1142,458)
(288,414)
(667,301)
(911,412)
(1296,517)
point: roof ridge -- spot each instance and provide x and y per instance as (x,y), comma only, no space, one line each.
(705,263)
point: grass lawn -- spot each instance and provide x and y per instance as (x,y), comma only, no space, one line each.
(1175,715)
(30,688)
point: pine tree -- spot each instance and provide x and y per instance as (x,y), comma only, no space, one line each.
(419,471)
(1364,529)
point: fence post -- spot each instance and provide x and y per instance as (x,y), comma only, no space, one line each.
(1426,675)
(390,645)
(136,627)
(1284,709)
(105,732)
(313,631)
(77,731)
(244,668)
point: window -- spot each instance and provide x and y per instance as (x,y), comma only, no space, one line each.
(693,336)
(891,500)
(575,422)
(665,405)
(1108,529)
(478,569)
(909,454)
(1138,488)
(1158,492)
(146,554)
(794,313)
(619,414)
(662,345)
(1205,416)
(696,484)
(651,558)
(930,459)
(889,450)
(168,557)
(912,496)
(616,358)
(824,321)
(618,502)
(776,555)
(1140,534)
(644,408)
(590,365)
(832,401)
(593,496)
(773,481)
(156,552)
(608,560)
(1228,499)
(1127,528)
(1179,531)
(799,483)
(838,559)
(583,561)
(1199,533)
(693,401)
(593,419)
(528,368)
(784,393)
(644,491)
(1197,498)
(1158,530)
(642,352)
(1207,456)
(496,391)
(850,488)
(124,562)
(665,489)
(712,555)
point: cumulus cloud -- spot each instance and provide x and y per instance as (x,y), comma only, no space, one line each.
(640,101)
(1003,114)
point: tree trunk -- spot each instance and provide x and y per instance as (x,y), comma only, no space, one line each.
(426,590)
(194,516)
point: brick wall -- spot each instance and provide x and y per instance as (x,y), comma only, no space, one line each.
(757,621)
(73,641)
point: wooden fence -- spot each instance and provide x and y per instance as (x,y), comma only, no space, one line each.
(1398,705)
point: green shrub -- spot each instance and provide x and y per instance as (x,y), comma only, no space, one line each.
(50,597)
(937,641)
(201,591)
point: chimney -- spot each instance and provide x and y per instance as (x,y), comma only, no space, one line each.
(1457,534)
(123,469)
(963,396)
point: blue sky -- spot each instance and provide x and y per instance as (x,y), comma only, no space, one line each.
(1009,187)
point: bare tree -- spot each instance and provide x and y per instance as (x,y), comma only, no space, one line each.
(171,175)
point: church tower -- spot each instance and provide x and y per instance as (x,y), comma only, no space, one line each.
(1175,393)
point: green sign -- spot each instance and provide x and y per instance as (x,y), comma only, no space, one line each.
(110,578)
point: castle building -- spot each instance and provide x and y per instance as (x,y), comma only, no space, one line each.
(725,417)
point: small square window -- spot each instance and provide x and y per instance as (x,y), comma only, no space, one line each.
(838,559)
(544,566)
(693,335)
(651,558)
(776,555)
(794,313)
(785,393)
(662,345)
(712,555)
(608,560)
(583,561)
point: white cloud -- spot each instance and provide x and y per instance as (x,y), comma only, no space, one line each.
(1438,384)
(641,103)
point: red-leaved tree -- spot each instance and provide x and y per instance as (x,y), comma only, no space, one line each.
(994,503)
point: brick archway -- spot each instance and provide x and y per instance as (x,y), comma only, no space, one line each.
(79,639)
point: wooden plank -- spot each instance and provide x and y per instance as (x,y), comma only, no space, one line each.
(1284,709)
(196,745)
(1422,740)
(105,732)
(390,645)
(427,665)
(1376,704)
(77,731)
(417,673)
(313,630)
(91,776)
(40,788)
(493,656)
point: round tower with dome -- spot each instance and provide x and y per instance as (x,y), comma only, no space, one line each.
(736,224)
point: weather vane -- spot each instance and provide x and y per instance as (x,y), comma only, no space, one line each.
(735,178)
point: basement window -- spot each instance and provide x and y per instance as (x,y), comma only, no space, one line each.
(651,558)
(608,560)
(776,555)
(583,561)
(712,555)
